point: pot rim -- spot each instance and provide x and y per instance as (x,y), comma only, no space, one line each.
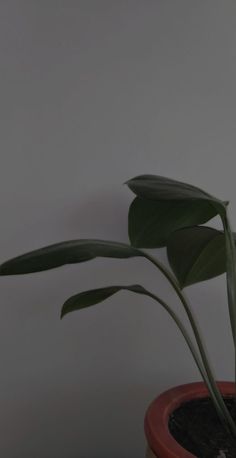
(160,439)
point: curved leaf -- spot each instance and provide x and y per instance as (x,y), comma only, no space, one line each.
(70,252)
(151,222)
(196,254)
(162,188)
(155,187)
(94,296)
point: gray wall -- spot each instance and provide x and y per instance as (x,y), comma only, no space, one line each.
(93,93)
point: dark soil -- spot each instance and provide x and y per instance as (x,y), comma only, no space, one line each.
(196,427)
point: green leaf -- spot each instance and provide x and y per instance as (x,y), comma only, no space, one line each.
(151,222)
(196,254)
(70,252)
(156,187)
(94,296)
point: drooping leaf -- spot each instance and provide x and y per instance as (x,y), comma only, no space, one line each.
(69,252)
(94,296)
(151,222)
(160,188)
(196,254)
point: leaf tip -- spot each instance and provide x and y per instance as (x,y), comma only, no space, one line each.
(63,312)
(3,269)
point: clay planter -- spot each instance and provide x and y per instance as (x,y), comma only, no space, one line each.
(161,443)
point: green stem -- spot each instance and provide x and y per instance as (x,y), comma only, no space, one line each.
(231,278)
(231,273)
(192,320)
(226,419)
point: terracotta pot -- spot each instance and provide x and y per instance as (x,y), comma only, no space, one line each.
(161,443)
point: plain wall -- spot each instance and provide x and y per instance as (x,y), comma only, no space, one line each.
(92,94)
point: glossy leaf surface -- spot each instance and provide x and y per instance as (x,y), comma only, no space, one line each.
(151,222)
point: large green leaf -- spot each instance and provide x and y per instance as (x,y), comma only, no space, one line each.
(196,254)
(94,296)
(159,188)
(70,252)
(151,222)
(156,187)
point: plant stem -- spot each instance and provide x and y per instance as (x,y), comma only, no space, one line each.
(231,278)
(231,273)
(223,415)
(209,372)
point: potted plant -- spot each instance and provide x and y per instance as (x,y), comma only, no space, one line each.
(193,420)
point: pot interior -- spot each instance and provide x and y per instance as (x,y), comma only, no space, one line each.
(197,428)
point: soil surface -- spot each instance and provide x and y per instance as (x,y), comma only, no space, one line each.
(196,427)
